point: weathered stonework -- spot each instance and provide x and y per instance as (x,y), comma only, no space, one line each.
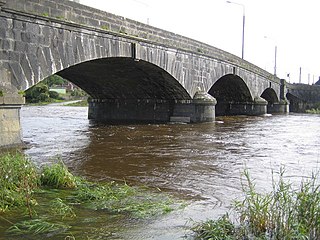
(10,131)
(121,62)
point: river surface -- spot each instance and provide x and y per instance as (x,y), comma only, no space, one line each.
(198,163)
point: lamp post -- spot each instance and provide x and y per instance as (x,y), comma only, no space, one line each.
(275,56)
(243,24)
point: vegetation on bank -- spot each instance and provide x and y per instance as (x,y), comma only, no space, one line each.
(41,93)
(81,103)
(48,201)
(284,213)
(315,109)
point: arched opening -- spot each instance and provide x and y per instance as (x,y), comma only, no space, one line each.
(271,97)
(232,95)
(296,103)
(124,78)
(127,90)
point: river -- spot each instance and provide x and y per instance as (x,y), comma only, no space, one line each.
(199,163)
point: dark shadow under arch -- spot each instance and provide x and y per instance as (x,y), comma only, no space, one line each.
(229,89)
(124,78)
(270,96)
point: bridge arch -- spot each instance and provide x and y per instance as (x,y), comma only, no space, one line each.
(270,96)
(230,91)
(124,89)
(124,78)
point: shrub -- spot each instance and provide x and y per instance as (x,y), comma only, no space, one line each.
(53,94)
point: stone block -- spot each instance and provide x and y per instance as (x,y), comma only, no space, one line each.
(10,132)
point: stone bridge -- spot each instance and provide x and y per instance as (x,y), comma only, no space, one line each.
(302,96)
(132,71)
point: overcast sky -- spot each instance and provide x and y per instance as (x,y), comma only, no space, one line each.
(291,25)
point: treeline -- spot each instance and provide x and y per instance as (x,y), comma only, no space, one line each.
(41,92)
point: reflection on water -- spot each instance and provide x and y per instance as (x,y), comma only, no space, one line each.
(198,162)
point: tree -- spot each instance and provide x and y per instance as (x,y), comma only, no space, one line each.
(54,80)
(37,93)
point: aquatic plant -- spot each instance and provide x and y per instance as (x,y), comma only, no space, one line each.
(284,213)
(57,175)
(36,227)
(118,199)
(63,196)
(60,208)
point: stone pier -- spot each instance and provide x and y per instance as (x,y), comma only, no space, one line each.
(10,130)
(199,109)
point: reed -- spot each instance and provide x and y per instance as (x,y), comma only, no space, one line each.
(287,212)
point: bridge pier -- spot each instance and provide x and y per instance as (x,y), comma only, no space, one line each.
(257,107)
(10,130)
(279,107)
(199,109)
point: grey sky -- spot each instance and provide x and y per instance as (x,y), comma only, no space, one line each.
(291,25)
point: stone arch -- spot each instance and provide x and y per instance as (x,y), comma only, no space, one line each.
(272,99)
(124,78)
(230,90)
(270,96)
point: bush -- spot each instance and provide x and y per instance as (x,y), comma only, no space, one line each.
(53,94)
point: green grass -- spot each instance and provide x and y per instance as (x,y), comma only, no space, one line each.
(284,213)
(36,227)
(18,180)
(57,175)
(41,198)
(313,111)
(82,103)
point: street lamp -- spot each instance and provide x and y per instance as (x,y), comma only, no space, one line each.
(243,24)
(275,56)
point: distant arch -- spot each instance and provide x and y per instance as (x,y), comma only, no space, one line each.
(230,89)
(270,96)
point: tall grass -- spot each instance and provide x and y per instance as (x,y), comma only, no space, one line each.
(57,175)
(287,212)
(18,180)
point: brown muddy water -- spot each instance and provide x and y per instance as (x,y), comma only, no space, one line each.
(198,163)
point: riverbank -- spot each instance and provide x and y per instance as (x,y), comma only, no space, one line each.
(51,203)
(287,212)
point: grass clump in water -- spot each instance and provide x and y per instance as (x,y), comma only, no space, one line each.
(122,199)
(62,209)
(57,175)
(284,213)
(52,194)
(36,227)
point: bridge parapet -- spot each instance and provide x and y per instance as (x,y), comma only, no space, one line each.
(75,13)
